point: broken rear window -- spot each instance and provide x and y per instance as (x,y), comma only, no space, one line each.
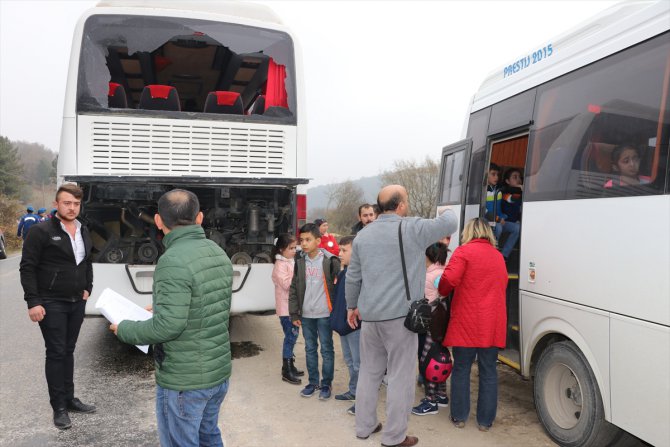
(171,64)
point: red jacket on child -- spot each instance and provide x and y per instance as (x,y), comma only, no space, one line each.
(477,274)
(328,242)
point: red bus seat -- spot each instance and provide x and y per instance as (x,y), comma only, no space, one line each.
(224,102)
(160,97)
(116,97)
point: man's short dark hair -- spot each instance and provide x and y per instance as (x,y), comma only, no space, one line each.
(178,207)
(391,204)
(362,207)
(70,188)
(347,240)
(311,228)
(494,167)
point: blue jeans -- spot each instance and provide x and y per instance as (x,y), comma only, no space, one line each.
(352,357)
(487,401)
(189,418)
(315,331)
(291,333)
(513,228)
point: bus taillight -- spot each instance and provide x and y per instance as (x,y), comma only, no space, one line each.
(593,108)
(301,210)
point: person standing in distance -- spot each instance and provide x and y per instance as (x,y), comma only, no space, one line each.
(366,215)
(27,220)
(375,294)
(189,328)
(57,279)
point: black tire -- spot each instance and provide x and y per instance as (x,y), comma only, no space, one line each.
(568,400)
(3,253)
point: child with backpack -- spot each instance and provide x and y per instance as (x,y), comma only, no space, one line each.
(435,393)
(310,305)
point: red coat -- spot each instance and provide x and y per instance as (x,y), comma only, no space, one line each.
(328,242)
(477,274)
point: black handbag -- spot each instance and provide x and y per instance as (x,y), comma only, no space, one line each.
(419,314)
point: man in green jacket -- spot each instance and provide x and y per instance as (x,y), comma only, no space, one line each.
(189,328)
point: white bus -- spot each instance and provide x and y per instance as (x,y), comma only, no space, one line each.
(589,293)
(206,96)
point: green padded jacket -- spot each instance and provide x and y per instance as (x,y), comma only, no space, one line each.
(191,305)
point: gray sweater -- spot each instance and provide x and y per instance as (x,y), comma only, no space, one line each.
(375,282)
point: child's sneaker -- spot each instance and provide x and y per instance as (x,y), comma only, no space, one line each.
(345,396)
(442,401)
(352,410)
(426,406)
(309,390)
(324,394)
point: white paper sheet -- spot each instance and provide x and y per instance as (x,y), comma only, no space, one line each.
(116,308)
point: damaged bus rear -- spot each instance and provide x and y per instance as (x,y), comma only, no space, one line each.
(205,96)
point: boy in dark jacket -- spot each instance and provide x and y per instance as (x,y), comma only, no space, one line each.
(349,338)
(309,305)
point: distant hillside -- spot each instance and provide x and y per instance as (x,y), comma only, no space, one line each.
(317,197)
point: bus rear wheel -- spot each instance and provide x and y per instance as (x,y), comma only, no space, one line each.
(567,398)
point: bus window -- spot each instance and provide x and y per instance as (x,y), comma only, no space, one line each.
(452,176)
(477,130)
(512,113)
(195,57)
(580,117)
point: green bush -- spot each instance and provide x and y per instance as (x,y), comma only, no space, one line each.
(10,213)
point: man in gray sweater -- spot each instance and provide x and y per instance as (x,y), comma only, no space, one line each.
(375,294)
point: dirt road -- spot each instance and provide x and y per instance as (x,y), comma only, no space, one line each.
(261,410)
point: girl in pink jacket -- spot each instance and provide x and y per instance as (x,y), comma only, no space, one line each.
(283,254)
(436,393)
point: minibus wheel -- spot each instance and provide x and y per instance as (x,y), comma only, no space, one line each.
(567,398)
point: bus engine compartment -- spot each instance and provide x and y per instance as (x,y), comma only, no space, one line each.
(243,220)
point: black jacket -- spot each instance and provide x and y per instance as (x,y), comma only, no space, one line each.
(356,228)
(48,266)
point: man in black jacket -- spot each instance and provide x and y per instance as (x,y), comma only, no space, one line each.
(366,214)
(57,279)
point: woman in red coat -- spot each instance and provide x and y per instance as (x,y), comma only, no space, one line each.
(478,326)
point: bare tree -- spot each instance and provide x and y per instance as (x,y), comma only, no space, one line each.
(421,182)
(342,210)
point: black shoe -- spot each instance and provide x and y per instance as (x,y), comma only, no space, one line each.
(79,407)
(62,419)
(296,372)
(287,374)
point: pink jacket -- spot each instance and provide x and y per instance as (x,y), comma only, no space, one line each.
(477,274)
(282,274)
(433,271)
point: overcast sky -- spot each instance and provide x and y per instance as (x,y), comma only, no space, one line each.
(385,80)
